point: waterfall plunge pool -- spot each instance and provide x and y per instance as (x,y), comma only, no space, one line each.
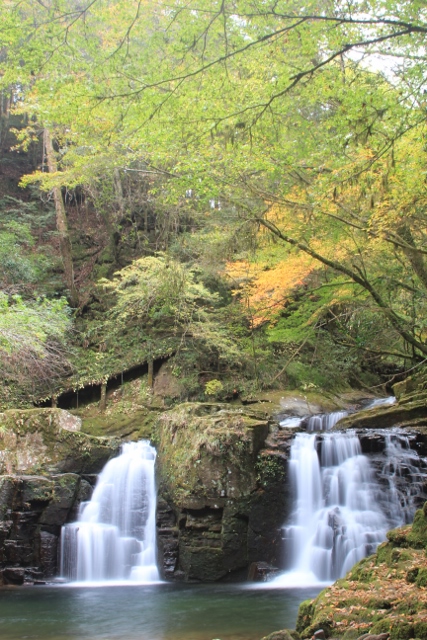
(152,612)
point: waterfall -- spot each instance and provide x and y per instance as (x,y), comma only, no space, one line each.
(325,421)
(115,535)
(403,472)
(320,422)
(344,502)
(336,520)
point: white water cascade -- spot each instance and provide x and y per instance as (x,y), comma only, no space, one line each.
(404,473)
(345,502)
(114,538)
(337,520)
(325,421)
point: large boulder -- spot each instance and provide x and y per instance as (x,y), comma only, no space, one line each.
(50,441)
(219,510)
(410,414)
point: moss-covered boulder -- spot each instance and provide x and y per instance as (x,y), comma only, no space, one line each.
(207,452)
(404,415)
(414,386)
(223,512)
(384,593)
(45,441)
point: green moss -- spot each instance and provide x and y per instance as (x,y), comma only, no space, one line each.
(362,571)
(417,537)
(305,615)
(37,490)
(323,621)
(44,441)
(420,630)
(351,634)
(414,536)
(270,470)
(135,425)
(382,626)
(399,536)
(421,579)
(412,574)
(284,634)
(398,630)
(209,450)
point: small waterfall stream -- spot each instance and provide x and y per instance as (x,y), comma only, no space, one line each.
(325,421)
(344,502)
(115,535)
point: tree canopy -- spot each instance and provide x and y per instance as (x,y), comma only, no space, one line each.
(283,143)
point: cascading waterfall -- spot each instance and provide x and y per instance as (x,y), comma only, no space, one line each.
(343,503)
(404,474)
(320,422)
(337,520)
(325,421)
(115,535)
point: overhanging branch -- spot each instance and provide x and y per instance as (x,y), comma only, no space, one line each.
(357,277)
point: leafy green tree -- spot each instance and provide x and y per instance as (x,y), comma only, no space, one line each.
(159,307)
(296,120)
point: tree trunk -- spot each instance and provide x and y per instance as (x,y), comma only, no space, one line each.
(414,256)
(118,187)
(61,224)
(103,400)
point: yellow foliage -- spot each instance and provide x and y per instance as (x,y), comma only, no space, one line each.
(265,289)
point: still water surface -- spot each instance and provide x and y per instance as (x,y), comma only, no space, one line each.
(152,612)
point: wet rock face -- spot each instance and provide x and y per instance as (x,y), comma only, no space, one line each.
(222,500)
(43,458)
(32,512)
(262,572)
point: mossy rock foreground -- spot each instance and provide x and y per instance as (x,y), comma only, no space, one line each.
(384,593)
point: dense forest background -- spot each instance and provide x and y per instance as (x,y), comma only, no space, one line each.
(236,186)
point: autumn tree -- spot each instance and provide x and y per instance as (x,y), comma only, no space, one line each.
(298,121)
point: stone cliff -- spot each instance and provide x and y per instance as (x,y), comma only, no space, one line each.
(221,498)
